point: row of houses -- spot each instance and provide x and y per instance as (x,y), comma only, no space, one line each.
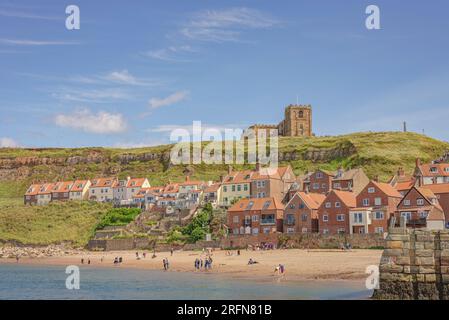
(233,186)
(347,202)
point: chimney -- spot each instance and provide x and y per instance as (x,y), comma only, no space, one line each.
(418,162)
(221,178)
(400,172)
(229,169)
(376,178)
(257,166)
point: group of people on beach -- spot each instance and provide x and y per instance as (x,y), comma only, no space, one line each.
(279,269)
(82,261)
(118,260)
(207,263)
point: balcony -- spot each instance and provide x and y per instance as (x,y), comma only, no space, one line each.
(267,221)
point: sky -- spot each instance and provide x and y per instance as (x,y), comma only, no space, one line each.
(135,71)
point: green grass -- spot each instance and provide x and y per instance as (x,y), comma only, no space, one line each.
(72,222)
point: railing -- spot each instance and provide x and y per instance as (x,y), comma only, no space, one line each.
(268,221)
(290,222)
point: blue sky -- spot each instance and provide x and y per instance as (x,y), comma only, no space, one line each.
(135,70)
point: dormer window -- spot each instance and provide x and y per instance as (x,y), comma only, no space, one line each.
(433,169)
(371,190)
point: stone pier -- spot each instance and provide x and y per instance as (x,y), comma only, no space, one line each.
(414,265)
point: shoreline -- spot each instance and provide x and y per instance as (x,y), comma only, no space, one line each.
(300,265)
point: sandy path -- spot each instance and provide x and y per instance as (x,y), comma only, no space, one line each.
(299,264)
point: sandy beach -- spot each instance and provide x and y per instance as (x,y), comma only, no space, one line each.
(299,264)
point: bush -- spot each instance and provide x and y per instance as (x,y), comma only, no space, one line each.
(118,217)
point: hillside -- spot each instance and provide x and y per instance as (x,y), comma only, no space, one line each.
(379,153)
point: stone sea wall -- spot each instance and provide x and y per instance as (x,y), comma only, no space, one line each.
(414,265)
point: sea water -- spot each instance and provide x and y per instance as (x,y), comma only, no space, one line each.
(49,282)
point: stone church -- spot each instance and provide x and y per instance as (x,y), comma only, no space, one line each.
(297,122)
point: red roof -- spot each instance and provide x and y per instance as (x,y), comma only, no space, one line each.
(437,188)
(63,186)
(387,189)
(104,182)
(257,204)
(79,185)
(348,198)
(433,170)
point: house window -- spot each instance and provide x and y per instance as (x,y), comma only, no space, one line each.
(292,206)
(341,230)
(340,217)
(337,204)
(233,188)
(255,218)
(337,185)
(378,215)
(290,230)
(328,204)
(406,215)
(235,219)
(235,231)
(323,186)
(379,230)
(325,231)
(325,218)
(239,188)
(371,190)
(316,186)
(423,214)
(290,219)
(255,230)
(245,187)
(319,175)
(406,202)
(358,217)
(377,201)
(304,230)
(225,189)
(365,202)
(304,217)
(433,169)
(420,202)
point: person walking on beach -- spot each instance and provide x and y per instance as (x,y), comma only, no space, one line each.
(171,251)
(144,255)
(17,259)
(88,261)
(82,260)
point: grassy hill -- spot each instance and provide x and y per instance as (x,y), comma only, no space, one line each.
(379,153)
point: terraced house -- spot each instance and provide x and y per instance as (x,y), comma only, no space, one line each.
(124,190)
(433,173)
(271,182)
(333,213)
(61,190)
(301,213)
(421,209)
(236,185)
(256,215)
(376,204)
(102,189)
(80,190)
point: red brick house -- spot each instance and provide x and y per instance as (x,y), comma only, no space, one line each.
(421,209)
(402,182)
(61,191)
(333,213)
(319,181)
(431,173)
(351,180)
(376,204)
(301,213)
(256,215)
(442,193)
(266,182)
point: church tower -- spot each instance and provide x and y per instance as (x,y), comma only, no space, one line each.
(297,121)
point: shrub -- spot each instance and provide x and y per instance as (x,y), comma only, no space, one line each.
(118,217)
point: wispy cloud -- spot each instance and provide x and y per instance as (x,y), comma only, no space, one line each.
(100,123)
(172,53)
(124,77)
(14,13)
(167,101)
(28,42)
(97,95)
(226,25)
(204,126)
(6,142)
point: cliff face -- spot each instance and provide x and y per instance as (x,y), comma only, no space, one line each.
(378,153)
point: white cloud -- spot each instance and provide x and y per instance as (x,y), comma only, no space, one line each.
(172,53)
(97,96)
(226,25)
(27,42)
(124,77)
(8,143)
(26,15)
(171,99)
(101,122)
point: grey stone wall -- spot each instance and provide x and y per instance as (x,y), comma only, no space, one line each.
(414,265)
